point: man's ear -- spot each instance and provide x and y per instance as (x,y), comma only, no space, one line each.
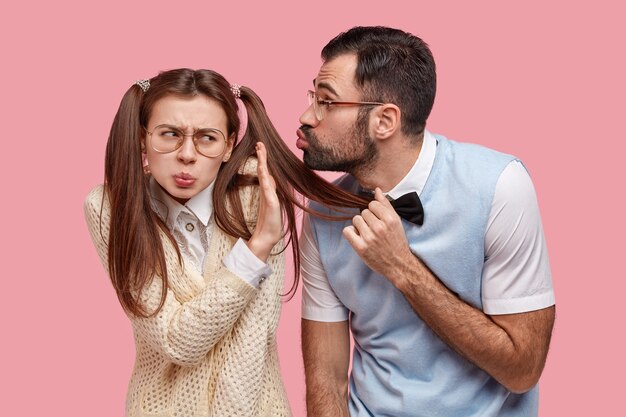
(385,121)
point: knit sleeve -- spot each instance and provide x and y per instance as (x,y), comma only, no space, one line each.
(183,331)
(97,218)
(239,389)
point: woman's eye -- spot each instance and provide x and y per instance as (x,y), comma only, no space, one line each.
(170,133)
(206,136)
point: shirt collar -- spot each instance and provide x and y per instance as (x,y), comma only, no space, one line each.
(415,179)
(200,205)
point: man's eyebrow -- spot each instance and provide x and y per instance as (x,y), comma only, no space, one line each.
(327,87)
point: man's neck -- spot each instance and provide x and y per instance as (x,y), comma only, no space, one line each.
(393,164)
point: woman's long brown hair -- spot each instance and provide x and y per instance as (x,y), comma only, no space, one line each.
(135,247)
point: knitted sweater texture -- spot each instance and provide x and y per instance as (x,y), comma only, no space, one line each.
(211,350)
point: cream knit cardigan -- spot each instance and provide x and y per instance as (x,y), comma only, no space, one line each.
(211,349)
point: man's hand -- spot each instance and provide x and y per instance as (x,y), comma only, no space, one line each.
(378,237)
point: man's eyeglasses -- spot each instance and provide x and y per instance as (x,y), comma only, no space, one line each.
(320,105)
(167,138)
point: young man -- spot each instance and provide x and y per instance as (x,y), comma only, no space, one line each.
(450,306)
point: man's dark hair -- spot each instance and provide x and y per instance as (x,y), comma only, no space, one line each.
(392,66)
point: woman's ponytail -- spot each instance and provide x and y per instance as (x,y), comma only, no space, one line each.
(135,250)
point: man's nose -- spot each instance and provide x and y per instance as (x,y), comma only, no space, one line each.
(308,118)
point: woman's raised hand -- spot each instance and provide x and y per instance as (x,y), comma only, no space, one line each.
(269,226)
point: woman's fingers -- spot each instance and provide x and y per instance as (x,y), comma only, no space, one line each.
(266,181)
(269,226)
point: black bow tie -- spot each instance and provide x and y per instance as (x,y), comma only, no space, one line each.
(408,206)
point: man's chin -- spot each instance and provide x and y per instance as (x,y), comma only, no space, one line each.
(311,163)
(307,159)
(316,166)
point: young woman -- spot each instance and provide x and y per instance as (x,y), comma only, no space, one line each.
(193,242)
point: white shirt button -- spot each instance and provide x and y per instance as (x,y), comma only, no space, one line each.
(189,227)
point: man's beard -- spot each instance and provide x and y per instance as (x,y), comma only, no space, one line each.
(356,153)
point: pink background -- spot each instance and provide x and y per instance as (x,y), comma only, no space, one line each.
(539,79)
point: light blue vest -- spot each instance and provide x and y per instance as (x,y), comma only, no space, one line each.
(400,367)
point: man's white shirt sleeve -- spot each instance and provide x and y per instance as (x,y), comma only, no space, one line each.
(516,274)
(319,301)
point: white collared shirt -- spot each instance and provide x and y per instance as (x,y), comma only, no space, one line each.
(190,225)
(516,273)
